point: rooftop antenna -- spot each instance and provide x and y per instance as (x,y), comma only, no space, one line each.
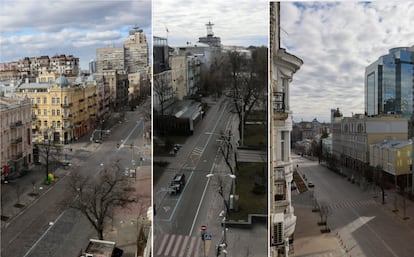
(209,26)
(166,31)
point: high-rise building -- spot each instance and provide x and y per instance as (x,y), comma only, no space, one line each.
(389,83)
(131,57)
(283,66)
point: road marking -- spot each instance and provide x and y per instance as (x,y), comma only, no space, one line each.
(179,199)
(376,234)
(44,234)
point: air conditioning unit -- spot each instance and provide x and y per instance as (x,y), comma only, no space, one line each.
(277,229)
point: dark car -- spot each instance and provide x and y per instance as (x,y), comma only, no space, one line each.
(310,184)
(177,183)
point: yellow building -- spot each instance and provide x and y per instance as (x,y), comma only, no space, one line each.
(61,110)
(393,157)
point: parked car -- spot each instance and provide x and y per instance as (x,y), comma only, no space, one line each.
(310,184)
(177,183)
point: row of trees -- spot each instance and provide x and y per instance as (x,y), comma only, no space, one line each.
(241,76)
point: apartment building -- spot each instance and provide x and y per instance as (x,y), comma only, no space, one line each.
(33,66)
(62,110)
(393,157)
(16,151)
(130,57)
(352,137)
(283,67)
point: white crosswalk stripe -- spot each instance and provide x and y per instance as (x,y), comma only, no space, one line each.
(172,245)
(197,150)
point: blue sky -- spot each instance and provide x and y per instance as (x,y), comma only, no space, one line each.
(242,23)
(336,41)
(34,28)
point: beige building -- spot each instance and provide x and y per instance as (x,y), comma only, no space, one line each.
(33,66)
(62,111)
(130,57)
(179,75)
(282,68)
(16,151)
(352,137)
(393,156)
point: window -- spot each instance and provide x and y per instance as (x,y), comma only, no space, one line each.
(45,112)
(45,123)
(32,100)
(53,112)
(58,124)
(53,100)
(58,100)
(39,112)
(38,100)
(44,100)
(57,112)
(53,124)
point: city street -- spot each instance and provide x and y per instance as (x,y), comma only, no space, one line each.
(360,225)
(46,227)
(183,214)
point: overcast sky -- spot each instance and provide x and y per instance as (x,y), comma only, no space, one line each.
(33,28)
(336,41)
(242,23)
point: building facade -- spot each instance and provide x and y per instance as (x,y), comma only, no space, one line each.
(352,137)
(389,83)
(16,150)
(283,66)
(62,111)
(130,57)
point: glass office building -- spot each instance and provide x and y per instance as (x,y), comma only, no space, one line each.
(389,83)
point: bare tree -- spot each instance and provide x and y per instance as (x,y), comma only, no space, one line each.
(50,153)
(219,185)
(97,199)
(227,149)
(247,79)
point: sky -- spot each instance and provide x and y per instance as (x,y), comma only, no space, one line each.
(78,27)
(337,41)
(241,23)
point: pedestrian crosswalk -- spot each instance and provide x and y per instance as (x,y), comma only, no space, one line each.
(197,150)
(172,245)
(350,204)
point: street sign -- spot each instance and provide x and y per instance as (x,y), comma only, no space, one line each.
(207,237)
(203,227)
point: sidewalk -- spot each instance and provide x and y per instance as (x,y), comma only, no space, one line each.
(20,193)
(127,223)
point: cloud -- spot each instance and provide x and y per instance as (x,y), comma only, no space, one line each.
(31,28)
(240,23)
(336,41)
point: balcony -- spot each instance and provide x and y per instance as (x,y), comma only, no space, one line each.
(279,106)
(279,191)
(67,117)
(16,124)
(66,105)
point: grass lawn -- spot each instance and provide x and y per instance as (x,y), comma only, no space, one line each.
(249,202)
(255,135)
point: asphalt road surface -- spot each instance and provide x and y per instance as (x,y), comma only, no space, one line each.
(362,225)
(48,228)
